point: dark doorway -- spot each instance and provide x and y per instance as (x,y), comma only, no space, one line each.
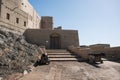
(55,41)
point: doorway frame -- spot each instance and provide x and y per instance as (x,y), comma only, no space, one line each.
(56,44)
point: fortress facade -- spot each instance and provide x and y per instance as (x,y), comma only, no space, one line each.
(20,16)
(50,37)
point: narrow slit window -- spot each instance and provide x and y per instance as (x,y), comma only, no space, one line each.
(8,16)
(25,23)
(17,20)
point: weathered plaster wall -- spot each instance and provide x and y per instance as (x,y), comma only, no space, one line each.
(21,9)
(10,7)
(67,37)
(33,17)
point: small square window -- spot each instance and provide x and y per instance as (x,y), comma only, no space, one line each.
(8,16)
(25,23)
(17,20)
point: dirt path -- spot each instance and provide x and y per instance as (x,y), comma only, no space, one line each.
(75,71)
(54,73)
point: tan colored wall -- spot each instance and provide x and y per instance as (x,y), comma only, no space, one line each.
(46,22)
(33,17)
(99,47)
(80,52)
(112,53)
(68,37)
(10,7)
(21,9)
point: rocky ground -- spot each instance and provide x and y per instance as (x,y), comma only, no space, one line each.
(75,71)
(15,53)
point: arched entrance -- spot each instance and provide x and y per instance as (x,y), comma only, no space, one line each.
(55,42)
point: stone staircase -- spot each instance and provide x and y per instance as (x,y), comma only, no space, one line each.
(62,55)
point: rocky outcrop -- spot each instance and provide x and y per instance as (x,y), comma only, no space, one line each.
(15,53)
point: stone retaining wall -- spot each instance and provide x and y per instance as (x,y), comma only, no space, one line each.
(80,52)
(111,53)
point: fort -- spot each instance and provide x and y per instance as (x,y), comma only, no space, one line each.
(19,16)
(23,35)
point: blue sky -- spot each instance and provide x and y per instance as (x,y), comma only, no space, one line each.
(98,21)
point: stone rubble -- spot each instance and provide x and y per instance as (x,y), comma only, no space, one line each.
(15,53)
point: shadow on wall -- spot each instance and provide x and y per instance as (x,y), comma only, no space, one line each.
(31,32)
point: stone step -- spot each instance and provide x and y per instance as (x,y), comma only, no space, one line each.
(64,59)
(62,56)
(57,51)
(60,53)
(67,59)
